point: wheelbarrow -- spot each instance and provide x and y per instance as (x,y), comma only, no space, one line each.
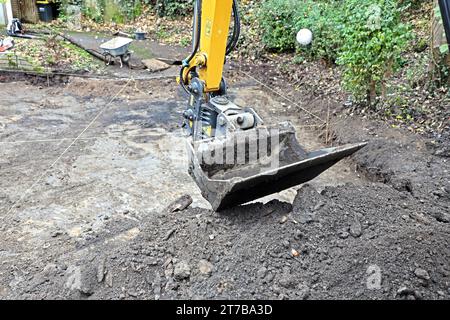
(117,49)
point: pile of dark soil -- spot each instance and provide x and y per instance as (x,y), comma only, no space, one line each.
(349,242)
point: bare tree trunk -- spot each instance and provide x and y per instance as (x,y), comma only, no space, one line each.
(434,35)
(387,74)
(438,38)
(28,11)
(372,92)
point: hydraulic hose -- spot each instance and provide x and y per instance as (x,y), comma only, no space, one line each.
(196,33)
(237,29)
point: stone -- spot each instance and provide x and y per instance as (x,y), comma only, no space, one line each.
(318,206)
(442,217)
(50,270)
(417,295)
(155,65)
(205,267)
(57,234)
(283,220)
(181,271)
(287,282)
(109,280)
(169,234)
(156,285)
(269,278)
(101,270)
(306,218)
(356,229)
(180,204)
(262,272)
(80,279)
(404,291)
(344,235)
(422,274)
(169,270)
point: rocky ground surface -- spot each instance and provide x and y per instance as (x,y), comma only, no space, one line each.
(95,218)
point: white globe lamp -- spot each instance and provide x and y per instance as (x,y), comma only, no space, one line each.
(305,37)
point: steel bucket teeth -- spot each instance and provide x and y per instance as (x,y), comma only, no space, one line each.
(229,176)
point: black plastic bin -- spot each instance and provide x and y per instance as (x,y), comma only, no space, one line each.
(45,12)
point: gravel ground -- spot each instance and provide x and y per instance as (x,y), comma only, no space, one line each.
(94,223)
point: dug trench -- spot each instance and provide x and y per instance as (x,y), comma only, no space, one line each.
(87,218)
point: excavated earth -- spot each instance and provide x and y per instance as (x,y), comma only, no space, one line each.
(88,218)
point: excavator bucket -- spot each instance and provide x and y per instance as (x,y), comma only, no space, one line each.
(252,164)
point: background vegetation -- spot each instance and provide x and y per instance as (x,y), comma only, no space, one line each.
(367,41)
(121,11)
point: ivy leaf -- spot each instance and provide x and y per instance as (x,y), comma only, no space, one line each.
(437,12)
(444,49)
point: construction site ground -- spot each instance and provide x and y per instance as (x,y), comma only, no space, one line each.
(89,167)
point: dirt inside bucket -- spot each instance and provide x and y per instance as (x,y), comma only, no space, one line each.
(250,153)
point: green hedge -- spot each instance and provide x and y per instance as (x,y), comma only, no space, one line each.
(172,7)
(280,20)
(365,37)
(374,38)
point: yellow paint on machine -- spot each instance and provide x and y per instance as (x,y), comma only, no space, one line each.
(208,130)
(216,19)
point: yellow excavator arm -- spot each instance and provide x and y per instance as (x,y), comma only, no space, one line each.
(249,160)
(216,16)
(201,74)
(211,32)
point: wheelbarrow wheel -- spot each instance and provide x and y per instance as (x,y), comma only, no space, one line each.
(108,59)
(126,58)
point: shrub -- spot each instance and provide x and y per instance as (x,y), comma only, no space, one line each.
(276,19)
(172,8)
(280,20)
(365,37)
(324,19)
(374,40)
